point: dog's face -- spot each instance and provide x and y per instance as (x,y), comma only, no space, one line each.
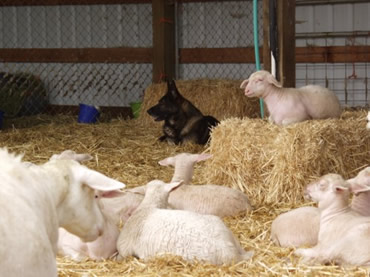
(168,105)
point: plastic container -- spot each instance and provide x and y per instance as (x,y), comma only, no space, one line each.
(88,114)
(135,107)
(1,119)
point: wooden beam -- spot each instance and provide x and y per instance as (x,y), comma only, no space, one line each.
(77,55)
(164,55)
(217,55)
(315,54)
(69,2)
(89,2)
(333,54)
(286,42)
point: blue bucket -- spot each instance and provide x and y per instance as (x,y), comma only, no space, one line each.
(88,114)
(1,119)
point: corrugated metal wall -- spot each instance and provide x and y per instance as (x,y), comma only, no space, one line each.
(223,24)
(335,25)
(80,26)
(206,24)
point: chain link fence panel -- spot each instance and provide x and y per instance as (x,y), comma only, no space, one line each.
(31,27)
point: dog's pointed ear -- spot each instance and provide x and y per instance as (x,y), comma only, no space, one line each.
(172,89)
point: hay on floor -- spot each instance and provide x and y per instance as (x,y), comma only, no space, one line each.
(272,164)
(130,152)
(219,98)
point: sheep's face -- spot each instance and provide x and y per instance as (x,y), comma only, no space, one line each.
(157,192)
(258,83)
(82,214)
(326,189)
(79,211)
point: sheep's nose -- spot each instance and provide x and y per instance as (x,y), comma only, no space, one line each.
(100,231)
(306,193)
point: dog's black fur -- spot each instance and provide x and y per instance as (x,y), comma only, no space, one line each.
(182,120)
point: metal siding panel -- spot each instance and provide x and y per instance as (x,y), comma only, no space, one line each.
(343,19)
(66,26)
(38,27)
(83,26)
(144,25)
(361,20)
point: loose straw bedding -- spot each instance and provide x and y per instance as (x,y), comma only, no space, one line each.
(271,164)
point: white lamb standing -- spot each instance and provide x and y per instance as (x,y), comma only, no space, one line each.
(300,227)
(344,234)
(35,201)
(103,247)
(154,230)
(205,199)
(291,105)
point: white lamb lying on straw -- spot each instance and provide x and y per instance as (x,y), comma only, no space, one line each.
(154,230)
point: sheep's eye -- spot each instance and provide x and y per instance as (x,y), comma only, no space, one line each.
(96,196)
(322,186)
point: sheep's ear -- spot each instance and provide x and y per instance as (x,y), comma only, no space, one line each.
(203,157)
(167,161)
(110,193)
(173,185)
(244,83)
(271,79)
(358,188)
(71,155)
(95,180)
(339,188)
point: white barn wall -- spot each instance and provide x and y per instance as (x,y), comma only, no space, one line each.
(338,18)
(207,24)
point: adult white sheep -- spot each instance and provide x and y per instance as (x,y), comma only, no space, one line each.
(153,230)
(344,234)
(291,105)
(205,199)
(35,201)
(300,227)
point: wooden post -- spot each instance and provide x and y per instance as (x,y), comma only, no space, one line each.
(163,40)
(286,41)
(266,35)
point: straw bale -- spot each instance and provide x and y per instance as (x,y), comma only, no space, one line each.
(272,163)
(130,152)
(219,98)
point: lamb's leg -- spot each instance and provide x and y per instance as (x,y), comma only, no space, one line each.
(309,255)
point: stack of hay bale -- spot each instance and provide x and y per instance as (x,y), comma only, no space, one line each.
(219,98)
(271,163)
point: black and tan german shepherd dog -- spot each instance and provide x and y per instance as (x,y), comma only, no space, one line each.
(182,120)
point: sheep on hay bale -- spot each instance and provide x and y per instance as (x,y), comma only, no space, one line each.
(219,98)
(272,164)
